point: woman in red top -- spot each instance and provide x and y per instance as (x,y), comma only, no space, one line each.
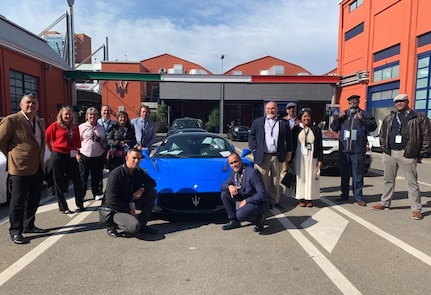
(62,139)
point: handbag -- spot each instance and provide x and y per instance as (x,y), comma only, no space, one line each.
(115,157)
(289,179)
(106,216)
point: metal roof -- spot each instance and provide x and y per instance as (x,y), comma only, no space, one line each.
(16,38)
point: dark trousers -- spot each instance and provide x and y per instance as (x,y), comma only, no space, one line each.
(93,166)
(130,223)
(65,167)
(24,201)
(352,164)
(250,212)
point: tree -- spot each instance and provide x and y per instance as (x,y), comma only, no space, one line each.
(160,117)
(213,120)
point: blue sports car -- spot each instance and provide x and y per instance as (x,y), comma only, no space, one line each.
(189,169)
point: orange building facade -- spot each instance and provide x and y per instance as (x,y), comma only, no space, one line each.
(384,49)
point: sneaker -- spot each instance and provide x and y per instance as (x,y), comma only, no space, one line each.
(417,215)
(98,197)
(379,206)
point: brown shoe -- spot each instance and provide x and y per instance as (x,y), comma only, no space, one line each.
(417,215)
(379,206)
(361,203)
(301,204)
(309,205)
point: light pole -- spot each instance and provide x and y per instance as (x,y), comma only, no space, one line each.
(221,98)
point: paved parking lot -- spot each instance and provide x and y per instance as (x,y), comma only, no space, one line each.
(329,249)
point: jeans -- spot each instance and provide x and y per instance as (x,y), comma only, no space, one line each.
(352,165)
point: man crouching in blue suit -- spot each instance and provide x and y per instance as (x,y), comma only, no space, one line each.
(244,195)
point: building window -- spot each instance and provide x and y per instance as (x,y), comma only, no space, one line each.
(424,39)
(423,86)
(388,52)
(19,84)
(353,32)
(386,72)
(355,4)
(385,94)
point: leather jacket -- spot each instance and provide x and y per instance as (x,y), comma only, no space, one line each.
(417,132)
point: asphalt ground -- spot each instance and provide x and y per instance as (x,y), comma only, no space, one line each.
(328,249)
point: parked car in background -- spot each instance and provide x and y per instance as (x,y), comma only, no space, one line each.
(189,169)
(239,133)
(183,123)
(330,162)
(374,143)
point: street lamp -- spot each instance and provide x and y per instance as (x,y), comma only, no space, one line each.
(221,99)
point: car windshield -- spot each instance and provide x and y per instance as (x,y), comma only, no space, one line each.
(241,128)
(194,146)
(179,124)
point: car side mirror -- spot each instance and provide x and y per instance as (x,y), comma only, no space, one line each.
(245,152)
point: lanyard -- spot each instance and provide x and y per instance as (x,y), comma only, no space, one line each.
(400,122)
(70,133)
(306,131)
(272,127)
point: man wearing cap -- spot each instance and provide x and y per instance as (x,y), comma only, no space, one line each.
(353,126)
(405,139)
(291,115)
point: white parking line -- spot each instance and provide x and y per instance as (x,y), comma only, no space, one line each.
(342,283)
(390,238)
(20,264)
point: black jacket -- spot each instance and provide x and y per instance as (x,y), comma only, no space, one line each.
(318,145)
(121,186)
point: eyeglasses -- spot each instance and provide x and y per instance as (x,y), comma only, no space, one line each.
(397,101)
(290,108)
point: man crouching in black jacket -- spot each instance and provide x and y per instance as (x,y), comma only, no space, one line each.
(129,188)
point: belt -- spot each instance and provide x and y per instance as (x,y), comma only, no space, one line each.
(272,154)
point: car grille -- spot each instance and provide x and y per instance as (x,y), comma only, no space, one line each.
(190,203)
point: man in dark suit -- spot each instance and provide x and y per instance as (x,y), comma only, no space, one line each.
(244,196)
(22,140)
(270,140)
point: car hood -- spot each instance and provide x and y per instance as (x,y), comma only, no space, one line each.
(185,175)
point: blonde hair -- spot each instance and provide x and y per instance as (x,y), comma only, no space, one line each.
(60,118)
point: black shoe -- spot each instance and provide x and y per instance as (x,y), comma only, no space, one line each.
(260,225)
(148,230)
(341,199)
(19,239)
(35,230)
(231,225)
(80,209)
(111,231)
(278,206)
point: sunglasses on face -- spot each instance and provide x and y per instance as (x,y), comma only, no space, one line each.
(291,108)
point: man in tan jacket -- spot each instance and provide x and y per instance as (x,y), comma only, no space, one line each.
(22,140)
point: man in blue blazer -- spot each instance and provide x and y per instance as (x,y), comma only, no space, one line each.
(270,140)
(244,195)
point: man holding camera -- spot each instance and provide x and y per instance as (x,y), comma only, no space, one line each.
(353,126)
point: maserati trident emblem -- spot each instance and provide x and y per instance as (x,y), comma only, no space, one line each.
(121,87)
(195,199)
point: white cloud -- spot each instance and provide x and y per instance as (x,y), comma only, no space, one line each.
(301,32)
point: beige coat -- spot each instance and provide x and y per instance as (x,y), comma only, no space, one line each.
(19,144)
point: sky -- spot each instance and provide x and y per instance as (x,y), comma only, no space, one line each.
(302,32)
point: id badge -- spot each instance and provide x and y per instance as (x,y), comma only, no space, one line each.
(354,134)
(72,153)
(346,134)
(398,138)
(304,151)
(308,146)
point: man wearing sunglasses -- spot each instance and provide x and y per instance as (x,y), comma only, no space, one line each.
(244,196)
(291,115)
(405,138)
